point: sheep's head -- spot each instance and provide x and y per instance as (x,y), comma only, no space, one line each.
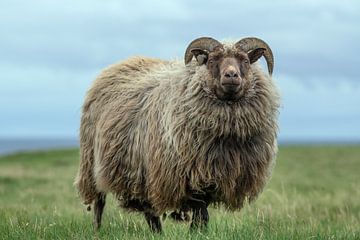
(230,67)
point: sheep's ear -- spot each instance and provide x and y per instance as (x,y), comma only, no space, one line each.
(200,55)
(255,54)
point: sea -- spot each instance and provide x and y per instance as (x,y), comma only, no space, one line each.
(9,146)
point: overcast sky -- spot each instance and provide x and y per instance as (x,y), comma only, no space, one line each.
(50,52)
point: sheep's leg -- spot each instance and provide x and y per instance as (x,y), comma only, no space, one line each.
(200,217)
(153,221)
(99,205)
(198,205)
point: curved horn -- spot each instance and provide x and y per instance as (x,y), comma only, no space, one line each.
(251,43)
(205,43)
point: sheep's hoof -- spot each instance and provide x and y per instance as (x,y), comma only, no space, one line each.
(97,225)
(154,222)
(99,205)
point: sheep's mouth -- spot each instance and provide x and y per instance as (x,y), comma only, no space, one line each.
(231,95)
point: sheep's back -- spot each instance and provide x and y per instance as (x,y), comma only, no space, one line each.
(116,84)
(117,80)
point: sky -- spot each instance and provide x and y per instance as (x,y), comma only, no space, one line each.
(51,51)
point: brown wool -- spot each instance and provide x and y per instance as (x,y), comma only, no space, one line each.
(152,129)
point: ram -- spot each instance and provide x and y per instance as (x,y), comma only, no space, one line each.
(164,135)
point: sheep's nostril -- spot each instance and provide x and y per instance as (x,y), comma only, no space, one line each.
(231,74)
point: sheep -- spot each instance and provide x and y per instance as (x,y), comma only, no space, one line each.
(168,136)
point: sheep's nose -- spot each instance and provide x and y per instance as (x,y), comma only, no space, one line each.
(231,77)
(231,74)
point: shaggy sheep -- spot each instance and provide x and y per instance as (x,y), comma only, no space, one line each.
(164,135)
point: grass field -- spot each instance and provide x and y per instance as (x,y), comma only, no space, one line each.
(314,194)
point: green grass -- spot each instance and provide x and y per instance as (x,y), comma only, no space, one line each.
(314,194)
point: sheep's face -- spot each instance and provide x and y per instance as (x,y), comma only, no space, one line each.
(231,72)
(229,66)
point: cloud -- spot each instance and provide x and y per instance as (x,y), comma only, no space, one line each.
(51,51)
(312,110)
(89,34)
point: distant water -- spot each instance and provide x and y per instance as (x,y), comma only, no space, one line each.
(8,146)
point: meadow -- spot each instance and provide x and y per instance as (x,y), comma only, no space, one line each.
(314,193)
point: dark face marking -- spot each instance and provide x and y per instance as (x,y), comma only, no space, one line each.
(230,73)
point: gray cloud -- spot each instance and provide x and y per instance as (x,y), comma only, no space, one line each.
(92,34)
(51,50)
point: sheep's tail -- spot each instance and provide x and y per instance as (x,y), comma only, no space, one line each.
(85,181)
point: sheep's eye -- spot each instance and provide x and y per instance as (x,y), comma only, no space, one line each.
(211,61)
(246,61)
